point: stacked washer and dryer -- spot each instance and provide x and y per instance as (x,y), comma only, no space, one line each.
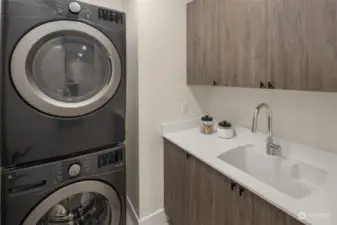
(63,100)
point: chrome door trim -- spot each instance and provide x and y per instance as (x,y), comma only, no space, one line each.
(84,186)
(36,97)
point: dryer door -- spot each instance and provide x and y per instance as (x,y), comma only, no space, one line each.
(66,68)
(83,203)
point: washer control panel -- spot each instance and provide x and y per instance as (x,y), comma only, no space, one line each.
(62,171)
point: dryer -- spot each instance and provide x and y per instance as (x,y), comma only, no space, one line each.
(63,84)
(89,189)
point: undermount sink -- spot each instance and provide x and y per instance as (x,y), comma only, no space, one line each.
(297,180)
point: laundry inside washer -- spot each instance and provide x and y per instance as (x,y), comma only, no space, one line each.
(83,190)
(81,209)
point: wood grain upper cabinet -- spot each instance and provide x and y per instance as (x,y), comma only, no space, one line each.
(302,44)
(322,47)
(202,42)
(287,45)
(242,42)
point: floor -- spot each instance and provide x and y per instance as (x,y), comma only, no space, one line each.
(129,221)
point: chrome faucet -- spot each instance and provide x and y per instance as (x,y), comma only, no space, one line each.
(272,148)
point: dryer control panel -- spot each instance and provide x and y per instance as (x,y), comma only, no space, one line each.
(67,9)
(110,16)
(63,171)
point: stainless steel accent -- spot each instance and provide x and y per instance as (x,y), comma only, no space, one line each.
(271,147)
(36,97)
(73,189)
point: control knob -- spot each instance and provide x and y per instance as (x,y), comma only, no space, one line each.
(74,170)
(75,7)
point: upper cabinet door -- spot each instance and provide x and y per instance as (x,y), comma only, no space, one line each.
(287,45)
(202,42)
(302,44)
(281,44)
(242,41)
(322,48)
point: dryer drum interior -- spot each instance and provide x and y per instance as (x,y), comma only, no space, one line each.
(66,68)
(95,204)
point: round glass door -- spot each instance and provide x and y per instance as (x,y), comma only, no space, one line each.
(66,68)
(80,209)
(70,69)
(82,203)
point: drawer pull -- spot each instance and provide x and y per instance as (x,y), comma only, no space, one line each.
(233,185)
(241,190)
(262,85)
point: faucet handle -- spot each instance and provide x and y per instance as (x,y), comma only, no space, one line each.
(275,146)
(272,148)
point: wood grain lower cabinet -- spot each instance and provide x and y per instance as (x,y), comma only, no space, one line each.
(175,184)
(196,194)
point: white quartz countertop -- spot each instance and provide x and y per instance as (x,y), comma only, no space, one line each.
(318,208)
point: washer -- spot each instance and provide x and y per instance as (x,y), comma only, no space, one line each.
(63,89)
(82,190)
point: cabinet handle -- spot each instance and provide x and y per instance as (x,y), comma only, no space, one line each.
(241,190)
(270,85)
(215,83)
(262,84)
(233,185)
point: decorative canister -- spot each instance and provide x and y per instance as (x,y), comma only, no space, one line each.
(225,130)
(207,125)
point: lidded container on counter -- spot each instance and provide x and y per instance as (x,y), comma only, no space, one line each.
(225,130)
(207,125)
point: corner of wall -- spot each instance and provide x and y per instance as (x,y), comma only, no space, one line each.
(132,131)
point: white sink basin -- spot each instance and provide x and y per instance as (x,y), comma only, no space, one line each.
(294,179)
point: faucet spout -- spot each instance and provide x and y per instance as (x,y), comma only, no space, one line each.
(270,118)
(271,148)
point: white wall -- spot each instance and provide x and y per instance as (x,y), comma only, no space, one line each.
(304,117)
(132,127)
(162,90)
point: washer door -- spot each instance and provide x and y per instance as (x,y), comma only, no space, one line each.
(83,203)
(66,68)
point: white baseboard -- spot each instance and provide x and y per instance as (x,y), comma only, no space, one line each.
(156,218)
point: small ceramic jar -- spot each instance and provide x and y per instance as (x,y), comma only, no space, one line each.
(207,125)
(225,130)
